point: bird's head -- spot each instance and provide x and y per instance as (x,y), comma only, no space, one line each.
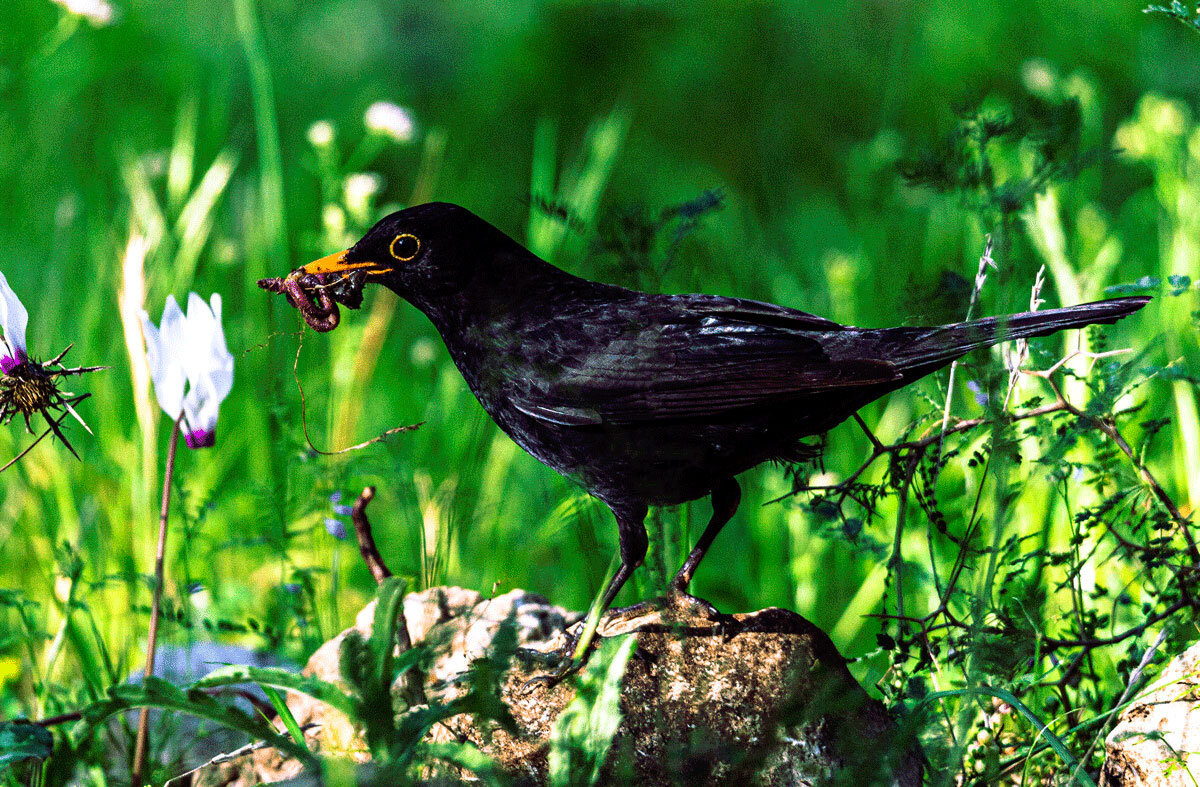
(438,256)
(419,253)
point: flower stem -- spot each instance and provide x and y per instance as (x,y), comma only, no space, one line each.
(139,752)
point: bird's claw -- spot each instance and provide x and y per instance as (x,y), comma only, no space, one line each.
(549,680)
(532,656)
(677,597)
(566,658)
(569,661)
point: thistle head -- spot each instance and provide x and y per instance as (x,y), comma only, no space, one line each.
(29,387)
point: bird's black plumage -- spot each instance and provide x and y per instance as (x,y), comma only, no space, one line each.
(651,399)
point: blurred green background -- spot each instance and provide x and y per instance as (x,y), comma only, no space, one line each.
(163,122)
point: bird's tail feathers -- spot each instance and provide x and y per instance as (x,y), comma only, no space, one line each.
(931,348)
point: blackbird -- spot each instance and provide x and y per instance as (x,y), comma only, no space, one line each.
(643,399)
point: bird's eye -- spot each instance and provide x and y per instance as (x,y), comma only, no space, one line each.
(405,247)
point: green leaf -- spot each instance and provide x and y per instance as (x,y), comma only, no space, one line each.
(464,755)
(316,688)
(157,693)
(583,733)
(23,740)
(389,609)
(285,714)
(354,661)
(378,713)
(482,701)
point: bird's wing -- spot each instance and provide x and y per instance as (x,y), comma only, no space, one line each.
(697,357)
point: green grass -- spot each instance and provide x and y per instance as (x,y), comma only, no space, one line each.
(185,123)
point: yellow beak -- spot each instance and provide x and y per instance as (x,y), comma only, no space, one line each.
(336,263)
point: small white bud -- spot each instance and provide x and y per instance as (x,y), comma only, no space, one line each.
(423,353)
(390,120)
(320,134)
(98,13)
(358,191)
(62,589)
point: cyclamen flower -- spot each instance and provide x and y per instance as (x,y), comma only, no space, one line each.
(13,320)
(189,352)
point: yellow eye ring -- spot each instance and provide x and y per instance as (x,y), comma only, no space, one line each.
(402,245)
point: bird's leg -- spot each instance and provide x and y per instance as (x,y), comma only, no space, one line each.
(632,530)
(677,603)
(725,499)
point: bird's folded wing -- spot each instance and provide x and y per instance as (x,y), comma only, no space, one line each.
(705,363)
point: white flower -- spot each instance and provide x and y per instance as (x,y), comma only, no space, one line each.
(13,319)
(320,134)
(190,349)
(164,359)
(358,191)
(390,120)
(98,12)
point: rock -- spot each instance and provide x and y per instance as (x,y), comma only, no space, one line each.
(1151,744)
(465,625)
(762,698)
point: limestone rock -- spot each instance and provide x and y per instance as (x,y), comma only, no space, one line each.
(1155,741)
(760,698)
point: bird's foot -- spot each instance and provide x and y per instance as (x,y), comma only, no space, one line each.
(532,657)
(682,605)
(677,605)
(672,608)
(567,657)
(679,599)
(569,666)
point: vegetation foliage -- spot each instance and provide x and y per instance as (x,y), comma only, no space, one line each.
(1007,552)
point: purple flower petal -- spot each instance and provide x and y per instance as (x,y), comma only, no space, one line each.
(8,363)
(201,438)
(335,527)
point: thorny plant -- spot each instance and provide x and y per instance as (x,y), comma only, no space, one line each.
(1022,615)
(33,388)
(1004,630)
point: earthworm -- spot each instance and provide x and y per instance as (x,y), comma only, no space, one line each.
(322,316)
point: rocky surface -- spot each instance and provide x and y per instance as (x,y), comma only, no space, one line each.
(760,698)
(1156,743)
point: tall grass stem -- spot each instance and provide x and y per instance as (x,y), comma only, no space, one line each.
(266,127)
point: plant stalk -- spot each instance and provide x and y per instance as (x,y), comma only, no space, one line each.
(143,733)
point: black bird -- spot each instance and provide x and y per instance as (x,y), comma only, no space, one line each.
(645,399)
